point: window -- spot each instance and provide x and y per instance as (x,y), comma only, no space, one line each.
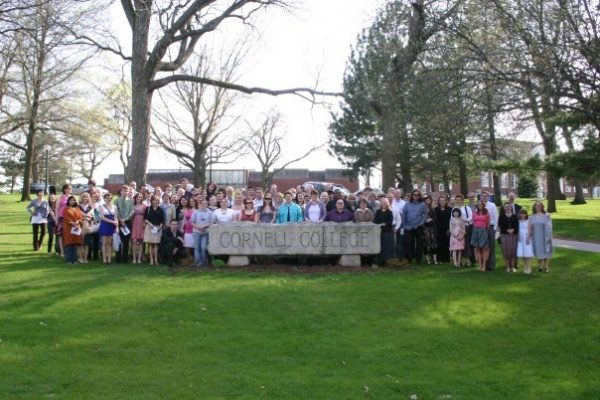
(450,185)
(485,179)
(441,187)
(515,181)
(504,180)
(568,188)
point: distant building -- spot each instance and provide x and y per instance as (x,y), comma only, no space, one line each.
(237,178)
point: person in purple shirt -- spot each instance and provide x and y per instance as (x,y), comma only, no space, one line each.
(340,213)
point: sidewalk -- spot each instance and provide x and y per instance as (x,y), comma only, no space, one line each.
(575,245)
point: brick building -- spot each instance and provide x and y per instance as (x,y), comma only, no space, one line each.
(237,178)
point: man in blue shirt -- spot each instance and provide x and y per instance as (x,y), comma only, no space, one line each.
(288,211)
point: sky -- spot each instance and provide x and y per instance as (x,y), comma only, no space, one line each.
(291,50)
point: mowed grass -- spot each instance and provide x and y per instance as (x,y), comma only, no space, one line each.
(576,222)
(137,332)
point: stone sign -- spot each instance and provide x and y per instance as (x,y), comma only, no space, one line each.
(327,238)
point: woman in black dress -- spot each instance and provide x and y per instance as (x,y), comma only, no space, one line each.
(385,218)
(430,242)
(443,213)
(154,221)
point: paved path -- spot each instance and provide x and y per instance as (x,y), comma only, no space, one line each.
(572,244)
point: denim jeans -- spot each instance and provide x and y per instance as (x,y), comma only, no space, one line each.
(200,249)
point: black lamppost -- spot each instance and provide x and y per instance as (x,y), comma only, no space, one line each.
(46,155)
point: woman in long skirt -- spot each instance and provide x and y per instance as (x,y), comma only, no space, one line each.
(509,236)
(541,235)
(430,234)
(385,218)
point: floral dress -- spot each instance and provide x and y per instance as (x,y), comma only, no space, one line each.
(457,234)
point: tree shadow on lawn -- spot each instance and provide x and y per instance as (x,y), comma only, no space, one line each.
(306,333)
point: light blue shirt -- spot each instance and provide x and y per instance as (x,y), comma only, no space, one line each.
(289,213)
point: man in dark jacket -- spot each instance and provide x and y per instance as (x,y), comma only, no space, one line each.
(511,200)
(171,245)
(337,195)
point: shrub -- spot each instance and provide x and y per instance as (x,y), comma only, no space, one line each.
(528,186)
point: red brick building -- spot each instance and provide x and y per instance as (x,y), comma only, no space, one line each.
(237,178)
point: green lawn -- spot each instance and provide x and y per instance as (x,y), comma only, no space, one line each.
(136,332)
(580,222)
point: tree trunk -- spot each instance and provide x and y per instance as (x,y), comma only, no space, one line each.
(491,116)
(30,148)
(463,175)
(388,149)
(446,181)
(405,160)
(199,170)
(266,179)
(579,197)
(31,131)
(552,182)
(431,182)
(368,178)
(141,97)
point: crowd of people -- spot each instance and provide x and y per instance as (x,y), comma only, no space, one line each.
(166,224)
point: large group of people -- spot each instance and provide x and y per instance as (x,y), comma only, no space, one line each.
(163,224)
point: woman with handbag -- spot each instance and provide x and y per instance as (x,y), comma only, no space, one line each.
(72,233)
(108,225)
(60,212)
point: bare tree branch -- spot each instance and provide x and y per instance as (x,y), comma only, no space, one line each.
(299,91)
(129,12)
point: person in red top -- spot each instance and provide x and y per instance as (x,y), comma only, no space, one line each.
(248,214)
(479,235)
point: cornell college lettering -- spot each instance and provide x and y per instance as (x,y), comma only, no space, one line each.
(245,239)
(306,240)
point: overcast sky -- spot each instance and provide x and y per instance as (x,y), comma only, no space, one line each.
(292,50)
